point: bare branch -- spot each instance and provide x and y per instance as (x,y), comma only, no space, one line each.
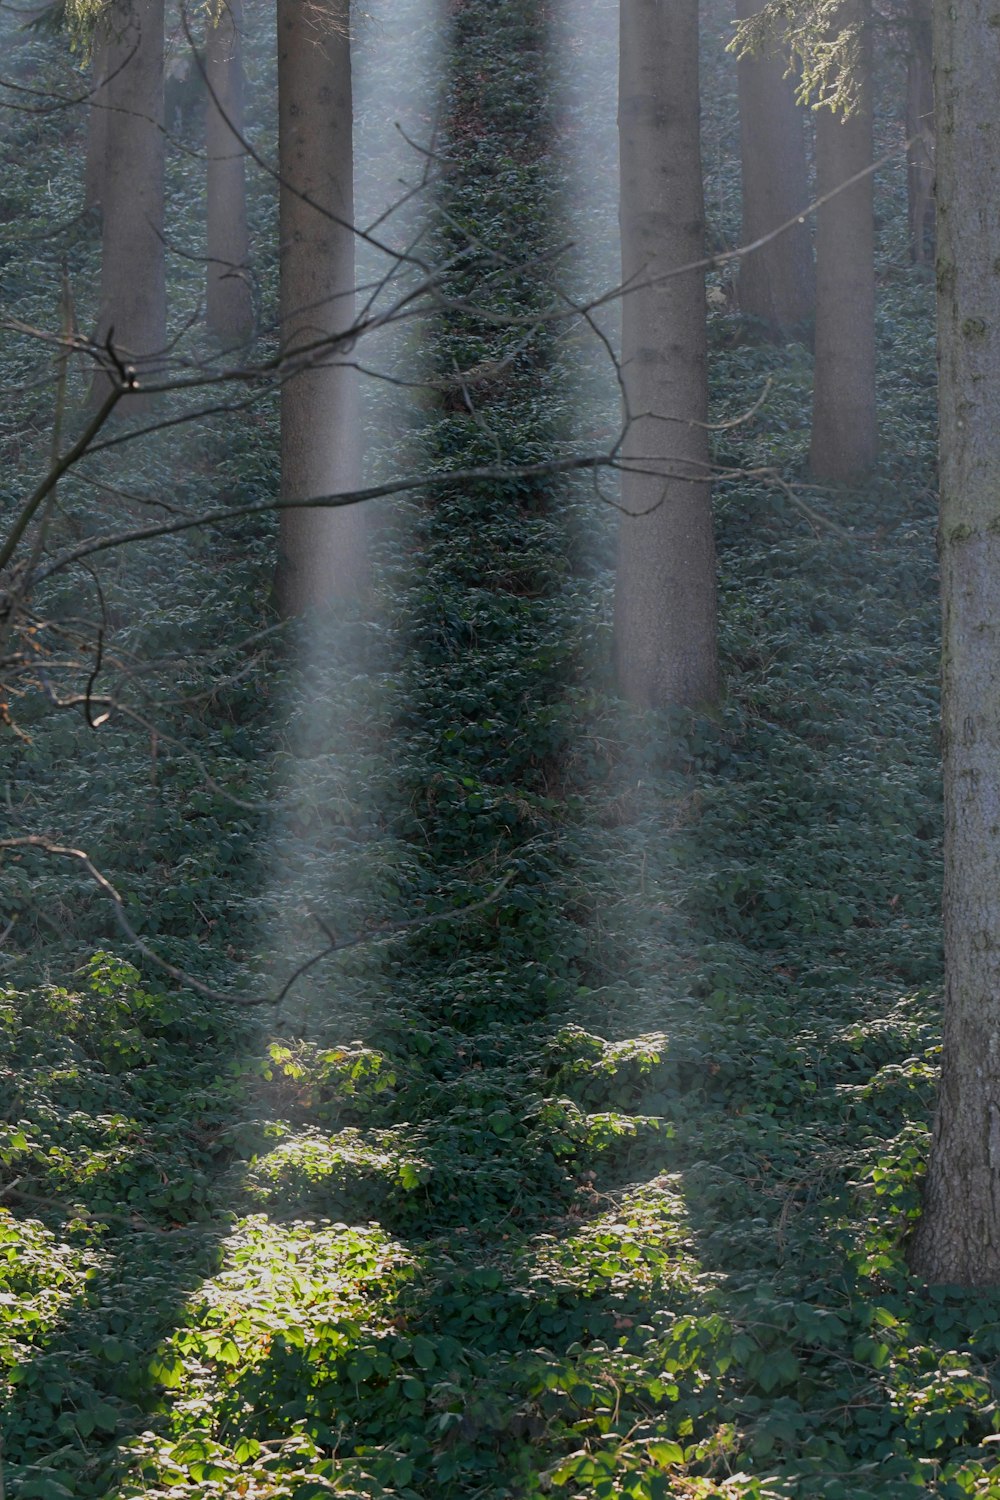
(52,478)
(499,473)
(189,981)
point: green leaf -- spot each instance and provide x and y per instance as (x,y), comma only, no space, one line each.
(43,1487)
(424,1352)
(665,1453)
(167,1371)
(408,1176)
(105,1415)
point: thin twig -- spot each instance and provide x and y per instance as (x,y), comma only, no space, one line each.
(404,484)
(365,939)
(57,470)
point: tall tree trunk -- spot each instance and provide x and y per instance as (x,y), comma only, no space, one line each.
(777,282)
(321,551)
(133,308)
(920,130)
(665,610)
(97,122)
(844,430)
(958,1236)
(228,295)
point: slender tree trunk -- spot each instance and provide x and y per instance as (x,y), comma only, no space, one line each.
(322,551)
(920,130)
(665,612)
(133,308)
(97,123)
(958,1236)
(845,432)
(777,282)
(228,295)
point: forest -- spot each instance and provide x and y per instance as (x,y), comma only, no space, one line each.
(499,750)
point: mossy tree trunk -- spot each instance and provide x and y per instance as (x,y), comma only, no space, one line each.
(777,283)
(665,595)
(321,550)
(958,1237)
(844,425)
(228,296)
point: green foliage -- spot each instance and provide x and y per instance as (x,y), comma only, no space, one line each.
(821,49)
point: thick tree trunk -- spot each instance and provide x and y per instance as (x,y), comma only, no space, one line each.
(777,282)
(322,551)
(920,131)
(958,1236)
(845,431)
(133,308)
(228,295)
(665,610)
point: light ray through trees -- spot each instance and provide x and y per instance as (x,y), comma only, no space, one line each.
(333,707)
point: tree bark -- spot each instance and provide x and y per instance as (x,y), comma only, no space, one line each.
(920,131)
(665,602)
(228,295)
(321,551)
(958,1237)
(97,123)
(133,306)
(845,431)
(777,283)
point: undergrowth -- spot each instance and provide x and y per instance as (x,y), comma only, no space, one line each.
(597,1180)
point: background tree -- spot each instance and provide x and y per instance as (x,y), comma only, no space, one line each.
(777,283)
(228,293)
(321,552)
(133,302)
(665,591)
(920,128)
(958,1236)
(844,427)
(97,120)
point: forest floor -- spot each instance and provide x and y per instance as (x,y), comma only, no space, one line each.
(601,1188)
